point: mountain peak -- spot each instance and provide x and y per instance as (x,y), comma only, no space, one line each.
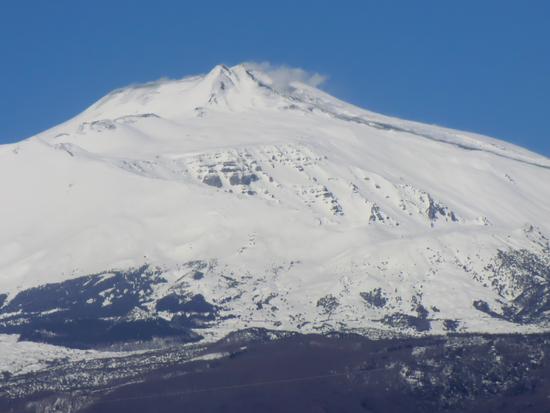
(221,68)
(239,80)
(224,182)
(223,87)
(221,79)
(220,73)
(249,88)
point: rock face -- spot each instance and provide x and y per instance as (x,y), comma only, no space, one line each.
(184,210)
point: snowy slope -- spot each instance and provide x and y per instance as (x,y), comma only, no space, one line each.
(279,207)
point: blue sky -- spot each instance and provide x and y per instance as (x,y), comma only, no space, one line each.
(480,65)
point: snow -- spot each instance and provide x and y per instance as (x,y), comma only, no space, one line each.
(22,357)
(122,184)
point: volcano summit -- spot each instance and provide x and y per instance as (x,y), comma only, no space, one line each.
(191,209)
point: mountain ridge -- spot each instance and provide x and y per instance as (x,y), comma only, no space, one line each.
(300,211)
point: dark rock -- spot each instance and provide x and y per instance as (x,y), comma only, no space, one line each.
(528,275)
(198,275)
(101,295)
(435,210)
(238,179)
(90,333)
(328,303)
(375,297)
(450,325)
(175,303)
(95,310)
(376,214)
(484,307)
(421,311)
(400,320)
(212,180)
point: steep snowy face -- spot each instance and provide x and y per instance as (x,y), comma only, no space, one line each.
(228,201)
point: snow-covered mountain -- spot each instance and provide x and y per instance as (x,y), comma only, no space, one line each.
(204,205)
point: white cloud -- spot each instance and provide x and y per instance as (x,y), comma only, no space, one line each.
(283,76)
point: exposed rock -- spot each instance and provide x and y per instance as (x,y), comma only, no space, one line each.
(375,297)
(328,304)
(404,321)
(213,180)
(176,303)
(451,325)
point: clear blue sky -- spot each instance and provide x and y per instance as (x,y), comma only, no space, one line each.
(478,65)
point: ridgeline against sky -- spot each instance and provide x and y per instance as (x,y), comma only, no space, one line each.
(478,66)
